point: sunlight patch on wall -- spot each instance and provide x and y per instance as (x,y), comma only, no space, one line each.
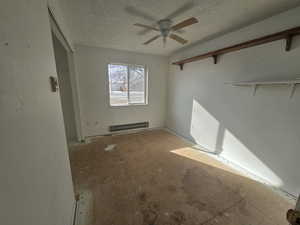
(204,127)
(212,136)
(235,151)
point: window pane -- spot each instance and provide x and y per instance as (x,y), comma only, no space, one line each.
(118,84)
(136,85)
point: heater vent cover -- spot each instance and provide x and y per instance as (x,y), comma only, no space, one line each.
(128,126)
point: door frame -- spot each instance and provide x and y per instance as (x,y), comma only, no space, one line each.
(57,31)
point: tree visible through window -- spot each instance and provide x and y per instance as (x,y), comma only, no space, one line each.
(127,84)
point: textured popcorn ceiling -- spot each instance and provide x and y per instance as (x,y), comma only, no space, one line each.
(106,23)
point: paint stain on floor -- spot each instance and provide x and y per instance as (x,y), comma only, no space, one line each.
(155,178)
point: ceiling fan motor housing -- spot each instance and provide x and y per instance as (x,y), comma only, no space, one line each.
(165,27)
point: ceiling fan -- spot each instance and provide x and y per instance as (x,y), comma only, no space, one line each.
(164,26)
(167,30)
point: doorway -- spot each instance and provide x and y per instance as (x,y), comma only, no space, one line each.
(65,88)
(67,84)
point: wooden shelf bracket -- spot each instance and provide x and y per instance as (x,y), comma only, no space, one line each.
(286,35)
(288,43)
(181,66)
(215,59)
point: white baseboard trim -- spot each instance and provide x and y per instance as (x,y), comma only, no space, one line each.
(285,194)
(74,215)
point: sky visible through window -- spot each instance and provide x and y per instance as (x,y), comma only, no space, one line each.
(127,84)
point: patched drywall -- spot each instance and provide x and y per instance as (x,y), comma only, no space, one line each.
(36,184)
(97,115)
(259,133)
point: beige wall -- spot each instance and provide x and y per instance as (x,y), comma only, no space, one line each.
(35,185)
(97,115)
(258,133)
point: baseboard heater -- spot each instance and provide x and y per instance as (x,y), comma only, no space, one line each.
(128,126)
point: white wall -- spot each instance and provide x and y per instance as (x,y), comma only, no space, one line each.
(259,133)
(35,185)
(97,115)
(56,9)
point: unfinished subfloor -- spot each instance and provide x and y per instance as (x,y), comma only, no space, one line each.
(156,178)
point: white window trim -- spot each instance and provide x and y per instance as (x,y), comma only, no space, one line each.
(146,85)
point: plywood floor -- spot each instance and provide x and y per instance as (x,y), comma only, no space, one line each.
(155,178)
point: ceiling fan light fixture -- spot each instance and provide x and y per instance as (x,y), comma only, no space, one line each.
(168,30)
(164,27)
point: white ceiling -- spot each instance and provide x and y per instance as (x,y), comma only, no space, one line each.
(107,23)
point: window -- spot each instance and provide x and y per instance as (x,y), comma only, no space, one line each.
(127,85)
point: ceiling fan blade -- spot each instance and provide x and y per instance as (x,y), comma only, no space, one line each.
(145,31)
(184,23)
(180,31)
(146,26)
(139,13)
(152,39)
(187,6)
(178,39)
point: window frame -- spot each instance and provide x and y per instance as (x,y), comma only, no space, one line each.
(128,88)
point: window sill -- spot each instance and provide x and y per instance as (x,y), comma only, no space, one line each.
(130,105)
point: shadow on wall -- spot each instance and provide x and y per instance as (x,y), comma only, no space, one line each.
(205,128)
